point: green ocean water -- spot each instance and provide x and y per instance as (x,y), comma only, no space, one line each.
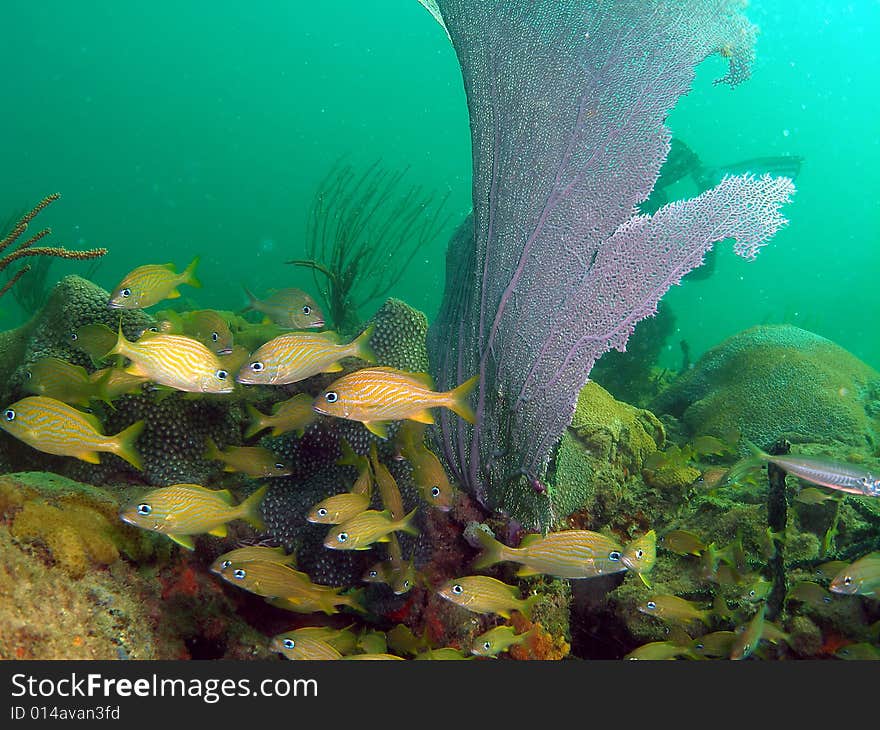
(178,129)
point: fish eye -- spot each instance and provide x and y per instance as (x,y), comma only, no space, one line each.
(280,467)
(307,309)
(126,293)
(331,396)
(374,573)
(239,573)
(826,599)
(640,554)
(225,564)
(322,512)
(214,337)
(288,643)
(699,646)
(74,336)
(342,536)
(221,374)
(847,581)
(9,414)
(614,555)
(487,645)
(651,605)
(406,584)
(435,491)
(29,374)
(144,509)
(752,593)
(256,366)
(152,329)
(457,589)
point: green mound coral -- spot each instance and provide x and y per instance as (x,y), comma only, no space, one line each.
(779,381)
(600,457)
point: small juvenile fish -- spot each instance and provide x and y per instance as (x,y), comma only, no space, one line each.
(183,510)
(862,651)
(427,471)
(683,542)
(840,475)
(296,356)
(747,641)
(338,508)
(250,553)
(401,573)
(288,308)
(57,428)
(674,609)
(716,645)
(861,578)
(376,396)
(254,461)
(147,285)
(58,379)
(294,414)
(812,495)
(498,640)
(369,527)
(380,572)
(570,554)
(388,490)
(481,594)
(177,361)
(210,328)
(292,589)
(660,651)
(95,340)
(810,593)
(303,648)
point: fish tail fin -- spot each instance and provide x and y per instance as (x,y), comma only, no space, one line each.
(121,346)
(406,523)
(361,345)
(212,452)
(493,551)
(124,444)
(354,600)
(252,300)
(189,274)
(755,452)
(256,424)
(250,509)
(459,399)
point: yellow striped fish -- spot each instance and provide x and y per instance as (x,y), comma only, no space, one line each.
(388,489)
(147,285)
(61,380)
(249,553)
(371,526)
(481,594)
(299,355)
(56,428)
(375,396)
(343,640)
(303,648)
(338,508)
(183,510)
(177,361)
(294,414)
(570,554)
(427,471)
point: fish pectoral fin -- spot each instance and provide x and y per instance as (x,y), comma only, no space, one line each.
(173,294)
(332,368)
(379,428)
(184,541)
(89,456)
(422,416)
(134,369)
(524,572)
(219,531)
(227,497)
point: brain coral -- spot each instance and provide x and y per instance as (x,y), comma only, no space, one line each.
(778,381)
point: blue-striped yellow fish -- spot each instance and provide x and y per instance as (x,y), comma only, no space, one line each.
(55,378)
(289,308)
(293,357)
(294,414)
(371,526)
(498,640)
(183,510)
(147,285)
(57,428)
(427,471)
(255,461)
(570,554)
(343,640)
(375,396)
(250,553)
(338,508)
(177,361)
(674,609)
(301,648)
(482,594)
(860,578)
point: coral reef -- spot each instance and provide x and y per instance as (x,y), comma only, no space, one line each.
(778,381)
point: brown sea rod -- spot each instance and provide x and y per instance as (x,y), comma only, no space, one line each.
(567,102)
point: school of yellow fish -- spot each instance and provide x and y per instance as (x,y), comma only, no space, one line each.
(195,352)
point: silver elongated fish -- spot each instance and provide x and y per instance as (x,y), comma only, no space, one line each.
(840,475)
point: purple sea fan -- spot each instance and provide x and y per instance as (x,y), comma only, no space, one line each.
(567,102)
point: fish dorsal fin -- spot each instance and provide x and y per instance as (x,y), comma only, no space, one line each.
(226,496)
(170,266)
(329,335)
(424,379)
(531,539)
(92,420)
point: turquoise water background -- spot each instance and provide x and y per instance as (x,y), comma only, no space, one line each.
(178,129)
